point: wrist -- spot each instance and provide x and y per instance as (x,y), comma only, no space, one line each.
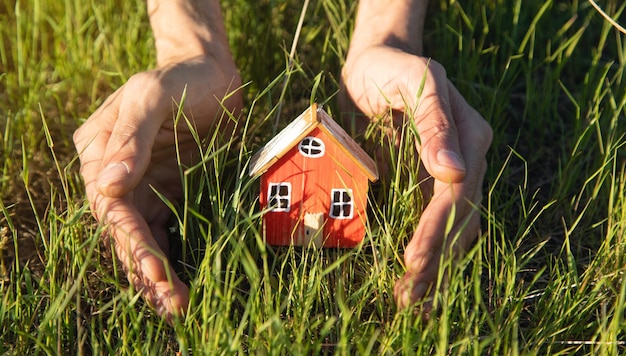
(185,29)
(393,23)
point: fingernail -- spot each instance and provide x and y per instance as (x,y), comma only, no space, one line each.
(450,159)
(114,172)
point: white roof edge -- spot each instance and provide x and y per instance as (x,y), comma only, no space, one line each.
(283,141)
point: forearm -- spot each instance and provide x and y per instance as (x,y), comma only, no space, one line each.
(187,28)
(396,23)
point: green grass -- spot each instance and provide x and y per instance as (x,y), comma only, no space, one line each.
(547,275)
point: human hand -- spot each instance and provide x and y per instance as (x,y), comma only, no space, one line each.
(127,147)
(454,141)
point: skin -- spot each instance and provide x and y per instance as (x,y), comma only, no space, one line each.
(383,72)
(127,145)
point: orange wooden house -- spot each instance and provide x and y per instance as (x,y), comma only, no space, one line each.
(314,182)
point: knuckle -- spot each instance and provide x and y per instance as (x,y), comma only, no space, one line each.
(439,130)
(442,127)
(437,69)
(142,79)
(145,87)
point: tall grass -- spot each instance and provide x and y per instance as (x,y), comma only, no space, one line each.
(546,276)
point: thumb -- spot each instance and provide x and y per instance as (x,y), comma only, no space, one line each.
(129,149)
(439,139)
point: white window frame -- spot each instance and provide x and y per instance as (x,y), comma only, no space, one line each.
(279,196)
(305,148)
(341,204)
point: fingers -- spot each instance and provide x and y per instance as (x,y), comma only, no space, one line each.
(146,264)
(439,146)
(453,140)
(128,151)
(147,104)
(115,143)
(431,243)
(434,237)
(384,78)
(128,147)
(91,141)
(459,198)
(114,147)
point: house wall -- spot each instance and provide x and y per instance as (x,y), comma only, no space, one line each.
(312,180)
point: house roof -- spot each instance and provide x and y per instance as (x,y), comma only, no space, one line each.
(298,129)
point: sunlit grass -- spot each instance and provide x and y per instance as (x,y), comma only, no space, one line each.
(546,276)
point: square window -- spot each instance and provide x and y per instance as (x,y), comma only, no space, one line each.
(279,197)
(341,205)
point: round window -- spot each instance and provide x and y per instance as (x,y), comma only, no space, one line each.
(311,147)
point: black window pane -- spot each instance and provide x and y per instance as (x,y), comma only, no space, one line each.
(284,190)
(284,203)
(312,147)
(336,210)
(346,210)
(336,196)
(273,190)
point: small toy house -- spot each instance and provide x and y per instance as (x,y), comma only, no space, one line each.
(314,181)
